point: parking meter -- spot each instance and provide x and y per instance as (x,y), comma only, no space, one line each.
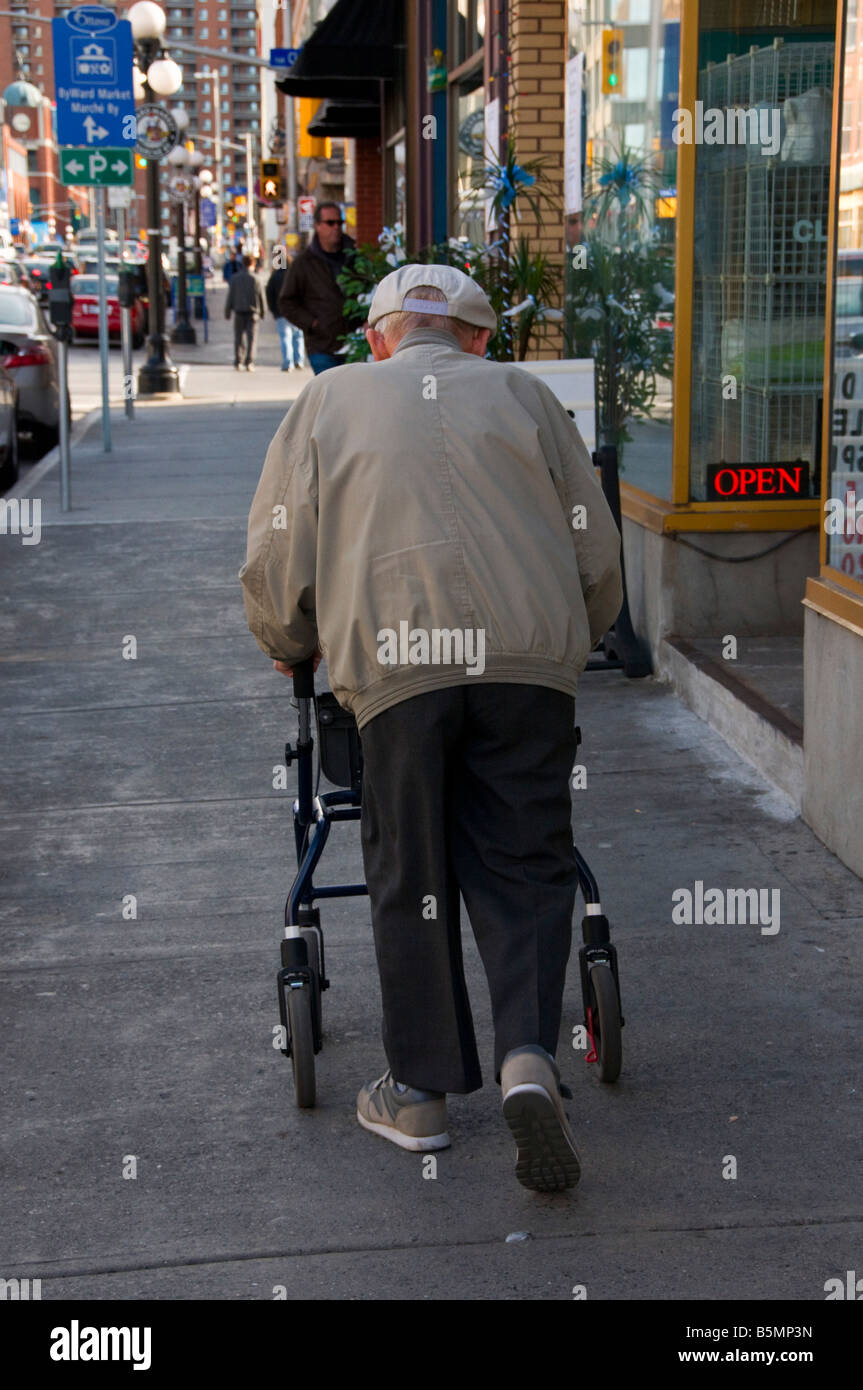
(126,288)
(60,296)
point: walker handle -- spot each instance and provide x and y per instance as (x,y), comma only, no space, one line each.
(304,679)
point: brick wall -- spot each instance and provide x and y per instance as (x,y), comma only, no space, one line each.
(369,188)
(537,48)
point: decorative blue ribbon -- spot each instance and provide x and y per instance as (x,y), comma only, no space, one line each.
(622,174)
(510,183)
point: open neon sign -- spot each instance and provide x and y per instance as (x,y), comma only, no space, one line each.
(745,481)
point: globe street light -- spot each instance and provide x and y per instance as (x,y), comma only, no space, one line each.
(183,331)
(158,75)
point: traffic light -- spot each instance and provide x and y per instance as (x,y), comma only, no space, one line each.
(140,161)
(612,62)
(271,181)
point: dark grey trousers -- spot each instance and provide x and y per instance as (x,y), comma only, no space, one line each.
(245,331)
(467,788)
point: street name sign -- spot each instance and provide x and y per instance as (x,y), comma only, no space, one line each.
(93,78)
(283,57)
(96,168)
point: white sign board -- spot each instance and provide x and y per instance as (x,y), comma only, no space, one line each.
(572,383)
(120,198)
(307,213)
(572,153)
(491,146)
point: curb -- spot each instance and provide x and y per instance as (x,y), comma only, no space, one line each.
(80,429)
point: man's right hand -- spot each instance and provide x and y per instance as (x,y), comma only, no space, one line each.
(286,670)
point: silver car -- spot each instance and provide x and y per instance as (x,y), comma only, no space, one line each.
(28,352)
(8,431)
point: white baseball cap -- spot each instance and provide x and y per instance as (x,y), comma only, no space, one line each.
(464,298)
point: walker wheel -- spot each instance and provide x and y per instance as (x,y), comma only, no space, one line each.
(605,1010)
(299,1002)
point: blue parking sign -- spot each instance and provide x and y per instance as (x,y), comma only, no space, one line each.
(93,78)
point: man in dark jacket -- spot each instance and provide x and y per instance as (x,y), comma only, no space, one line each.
(310,296)
(246,301)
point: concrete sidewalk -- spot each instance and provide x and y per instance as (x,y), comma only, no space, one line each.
(150,1038)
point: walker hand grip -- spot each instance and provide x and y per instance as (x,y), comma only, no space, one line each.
(304,680)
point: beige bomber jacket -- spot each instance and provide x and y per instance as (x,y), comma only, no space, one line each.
(420,510)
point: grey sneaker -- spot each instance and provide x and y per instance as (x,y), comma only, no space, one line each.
(546,1157)
(408,1117)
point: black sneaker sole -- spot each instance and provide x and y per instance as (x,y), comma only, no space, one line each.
(546,1160)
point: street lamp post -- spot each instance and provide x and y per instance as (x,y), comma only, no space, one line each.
(158,76)
(183,331)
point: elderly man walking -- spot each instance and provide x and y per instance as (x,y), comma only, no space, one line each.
(246,302)
(449,550)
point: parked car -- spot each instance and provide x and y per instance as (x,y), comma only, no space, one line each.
(38,271)
(28,352)
(8,430)
(50,249)
(89,265)
(135,251)
(11,273)
(85,310)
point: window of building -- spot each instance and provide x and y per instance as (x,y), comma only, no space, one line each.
(600,125)
(760,266)
(206,123)
(844,488)
(203,33)
(467,18)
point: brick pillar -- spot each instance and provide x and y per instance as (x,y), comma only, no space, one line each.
(537,49)
(369,188)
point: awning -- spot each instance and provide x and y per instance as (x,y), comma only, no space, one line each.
(347,54)
(346,119)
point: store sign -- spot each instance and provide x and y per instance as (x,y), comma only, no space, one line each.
(757,481)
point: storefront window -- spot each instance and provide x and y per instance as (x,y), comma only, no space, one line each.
(396,180)
(845,482)
(761,128)
(622,85)
(468,30)
(468,106)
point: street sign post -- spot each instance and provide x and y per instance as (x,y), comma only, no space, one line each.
(93,78)
(103,321)
(283,57)
(96,168)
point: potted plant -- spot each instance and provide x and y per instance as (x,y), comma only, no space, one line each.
(621,282)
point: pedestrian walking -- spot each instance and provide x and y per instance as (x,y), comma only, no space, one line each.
(450,552)
(310,298)
(230,267)
(290,337)
(246,302)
